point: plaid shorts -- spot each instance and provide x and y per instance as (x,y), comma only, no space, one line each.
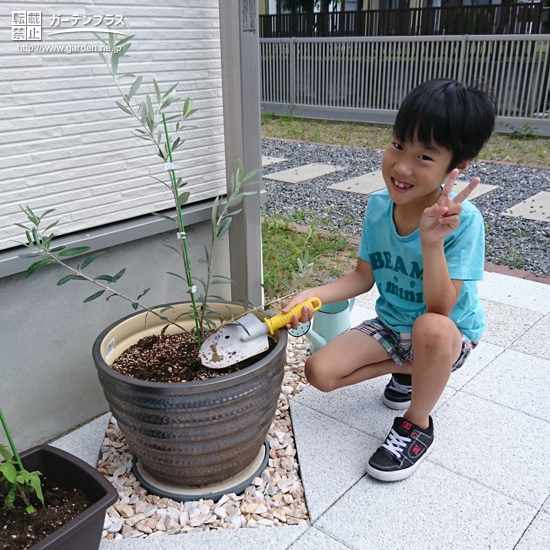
(399,344)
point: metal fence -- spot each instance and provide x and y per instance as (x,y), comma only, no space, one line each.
(367,78)
(523,18)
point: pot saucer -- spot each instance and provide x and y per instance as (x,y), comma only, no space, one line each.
(236,484)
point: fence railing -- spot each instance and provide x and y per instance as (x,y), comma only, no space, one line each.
(523,18)
(367,78)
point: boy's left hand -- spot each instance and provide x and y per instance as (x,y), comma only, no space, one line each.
(443,217)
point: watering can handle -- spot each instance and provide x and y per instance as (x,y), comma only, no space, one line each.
(283,319)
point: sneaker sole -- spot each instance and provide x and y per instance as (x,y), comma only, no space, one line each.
(396,405)
(397,475)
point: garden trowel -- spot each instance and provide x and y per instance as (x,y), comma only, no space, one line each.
(247,337)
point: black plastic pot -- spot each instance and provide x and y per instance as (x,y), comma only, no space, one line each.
(195,433)
(68,471)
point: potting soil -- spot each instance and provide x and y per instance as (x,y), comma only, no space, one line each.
(172,358)
(19,530)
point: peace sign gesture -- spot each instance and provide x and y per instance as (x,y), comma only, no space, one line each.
(443,217)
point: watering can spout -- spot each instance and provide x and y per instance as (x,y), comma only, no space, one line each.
(317,340)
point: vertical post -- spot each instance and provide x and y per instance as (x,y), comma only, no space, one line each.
(292,73)
(464,44)
(240,57)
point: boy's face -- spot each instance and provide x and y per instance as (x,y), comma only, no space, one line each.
(413,172)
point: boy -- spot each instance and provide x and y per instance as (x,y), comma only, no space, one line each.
(424,249)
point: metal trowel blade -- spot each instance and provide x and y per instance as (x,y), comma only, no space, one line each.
(233,344)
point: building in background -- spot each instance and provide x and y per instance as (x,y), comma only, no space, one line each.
(309,18)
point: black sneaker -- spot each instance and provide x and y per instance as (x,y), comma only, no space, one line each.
(405,448)
(397,394)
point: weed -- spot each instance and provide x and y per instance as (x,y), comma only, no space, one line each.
(345,131)
(513,259)
(300,215)
(302,130)
(283,247)
(527,131)
(268,117)
(521,234)
(316,137)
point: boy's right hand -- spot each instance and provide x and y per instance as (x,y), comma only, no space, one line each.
(307,313)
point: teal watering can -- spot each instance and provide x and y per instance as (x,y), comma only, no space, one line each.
(329,322)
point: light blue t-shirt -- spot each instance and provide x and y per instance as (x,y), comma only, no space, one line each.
(397,267)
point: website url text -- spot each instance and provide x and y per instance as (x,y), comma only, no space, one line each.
(58,48)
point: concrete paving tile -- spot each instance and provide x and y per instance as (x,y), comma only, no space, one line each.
(359,314)
(536,207)
(368,300)
(332,456)
(267,538)
(479,358)
(536,341)
(515,292)
(303,173)
(432,510)
(505,324)
(266,161)
(85,442)
(359,406)
(314,539)
(480,190)
(366,184)
(374,181)
(493,445)
(537,535)
(514,380)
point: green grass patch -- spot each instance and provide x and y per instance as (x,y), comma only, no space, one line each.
(282,246)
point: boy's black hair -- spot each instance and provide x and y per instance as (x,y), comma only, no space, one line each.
(448,114)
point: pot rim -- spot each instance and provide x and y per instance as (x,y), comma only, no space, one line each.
(87,469)
(175,387)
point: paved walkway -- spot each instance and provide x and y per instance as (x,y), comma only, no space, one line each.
(486,485)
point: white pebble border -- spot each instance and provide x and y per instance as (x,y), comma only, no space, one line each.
(276,498)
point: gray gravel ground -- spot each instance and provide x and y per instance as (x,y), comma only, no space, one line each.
(515,242)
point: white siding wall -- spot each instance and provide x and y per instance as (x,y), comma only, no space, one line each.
(63,142)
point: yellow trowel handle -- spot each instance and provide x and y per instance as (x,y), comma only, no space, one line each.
(283,319)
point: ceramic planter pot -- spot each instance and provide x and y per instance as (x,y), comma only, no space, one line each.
(66,470)
(190,434)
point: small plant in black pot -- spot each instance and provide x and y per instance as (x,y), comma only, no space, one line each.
(51,499)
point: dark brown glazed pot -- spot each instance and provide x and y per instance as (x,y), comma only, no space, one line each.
(191,433)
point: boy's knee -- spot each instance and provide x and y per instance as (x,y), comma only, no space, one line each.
(432,330)
(316,375)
